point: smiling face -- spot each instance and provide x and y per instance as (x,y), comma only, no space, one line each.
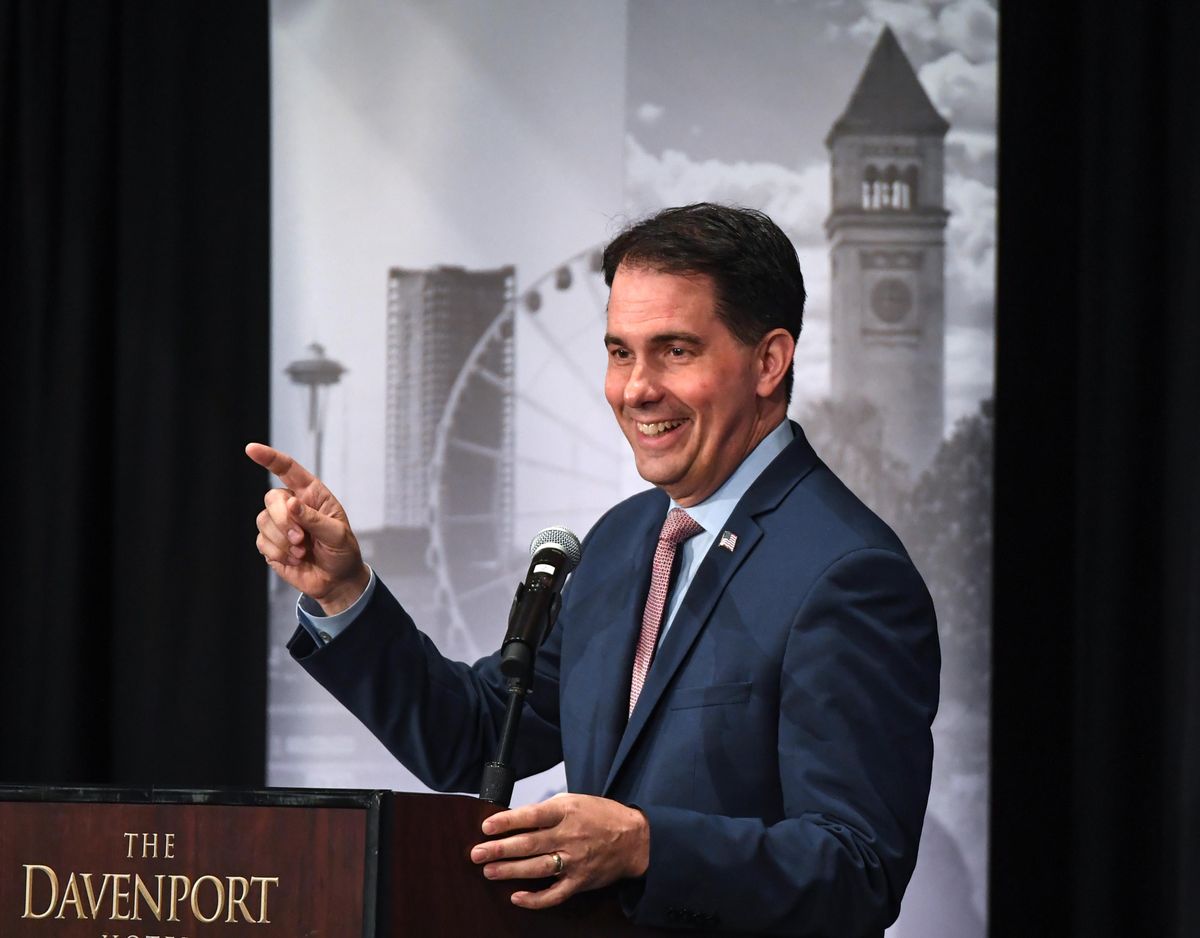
(691,399)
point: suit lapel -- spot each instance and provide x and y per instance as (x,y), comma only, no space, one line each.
(706,588)
(613,664)
(716,570)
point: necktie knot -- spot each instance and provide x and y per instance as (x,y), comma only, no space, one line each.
(678,527)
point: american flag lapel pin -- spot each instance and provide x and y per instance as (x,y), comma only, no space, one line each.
(728,540)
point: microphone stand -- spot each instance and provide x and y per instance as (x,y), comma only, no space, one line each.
(498,775)
(517,665)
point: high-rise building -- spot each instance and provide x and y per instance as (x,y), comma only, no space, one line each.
(435,318)
(887,249)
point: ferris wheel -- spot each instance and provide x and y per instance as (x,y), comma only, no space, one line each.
(538,372)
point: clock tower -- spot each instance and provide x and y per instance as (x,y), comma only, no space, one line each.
(887,249)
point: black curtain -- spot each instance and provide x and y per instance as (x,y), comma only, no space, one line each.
(134,277)
(1096,746)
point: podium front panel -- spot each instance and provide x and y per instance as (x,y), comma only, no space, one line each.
(183,865)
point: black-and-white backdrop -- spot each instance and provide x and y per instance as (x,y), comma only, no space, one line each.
(443,176)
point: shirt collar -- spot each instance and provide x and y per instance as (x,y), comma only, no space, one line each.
(712,513)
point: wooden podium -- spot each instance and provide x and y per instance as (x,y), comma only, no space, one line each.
(123,863)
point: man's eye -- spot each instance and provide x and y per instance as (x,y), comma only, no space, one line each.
(677,351)
(619,353)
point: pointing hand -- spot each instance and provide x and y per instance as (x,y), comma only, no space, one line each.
(304,535)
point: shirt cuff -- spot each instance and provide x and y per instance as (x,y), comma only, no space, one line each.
(324,629)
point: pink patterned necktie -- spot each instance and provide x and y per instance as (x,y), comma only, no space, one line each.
(678,527)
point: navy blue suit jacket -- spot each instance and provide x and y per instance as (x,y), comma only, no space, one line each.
(781,746)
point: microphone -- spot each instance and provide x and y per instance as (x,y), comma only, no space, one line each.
(554,553)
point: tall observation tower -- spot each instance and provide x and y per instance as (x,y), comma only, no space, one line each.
(887,248)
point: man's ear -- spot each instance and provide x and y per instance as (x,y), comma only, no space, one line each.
(774,356)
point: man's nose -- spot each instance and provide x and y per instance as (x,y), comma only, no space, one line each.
(642,387)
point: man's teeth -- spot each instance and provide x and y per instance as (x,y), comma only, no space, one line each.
(654,429)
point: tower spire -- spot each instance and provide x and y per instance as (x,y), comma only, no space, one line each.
(888,98)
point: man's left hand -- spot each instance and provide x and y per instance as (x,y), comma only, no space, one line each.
(598,840)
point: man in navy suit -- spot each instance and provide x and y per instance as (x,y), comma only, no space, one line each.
(764,764)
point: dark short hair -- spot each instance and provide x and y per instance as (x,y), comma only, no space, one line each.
(753,266)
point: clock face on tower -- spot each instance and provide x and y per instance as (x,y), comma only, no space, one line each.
(891,300)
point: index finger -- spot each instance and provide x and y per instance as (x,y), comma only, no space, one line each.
(529,817)
(290,472)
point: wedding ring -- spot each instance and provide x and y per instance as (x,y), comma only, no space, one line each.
(558,864)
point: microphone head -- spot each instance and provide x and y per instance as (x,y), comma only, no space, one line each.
(559,538)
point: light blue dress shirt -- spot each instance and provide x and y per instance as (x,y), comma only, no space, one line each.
(711,514)
(323,628)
